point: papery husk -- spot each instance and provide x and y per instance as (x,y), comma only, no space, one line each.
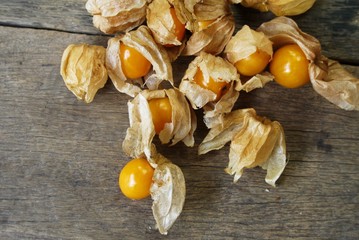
(279,7)
(283,30)
(140,134)
(212,39)
(203,10)
(220,70)
(111,16)
(257,81)
(243,44)
(246,42)
(214,111)
(327,77)
(83,70)
(235,1)
(168,192)
(183,14)
(161,23)
(142,40)
(255,141)
(289,7)
(174,52)
(335,83)
(261,5)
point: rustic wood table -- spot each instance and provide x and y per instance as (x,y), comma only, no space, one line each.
(60,157)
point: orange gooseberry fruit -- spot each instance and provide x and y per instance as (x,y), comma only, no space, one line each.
(179,29)
(133,63)
(289,66)
(136,178)
(253,64)
(161,111)
(219,88)
(204,24)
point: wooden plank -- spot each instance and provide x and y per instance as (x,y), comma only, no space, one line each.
(335,24)
(60,160)
(65,15)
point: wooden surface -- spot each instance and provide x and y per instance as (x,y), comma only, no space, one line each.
(60,158)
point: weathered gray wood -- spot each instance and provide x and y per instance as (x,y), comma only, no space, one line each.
(65,15)
(60,160)
(334,23)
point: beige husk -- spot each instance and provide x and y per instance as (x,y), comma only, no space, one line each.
(235,1)
(111,16)
(160,21)
(289,7)
(216,35)
(212,39)
(139,135)
(142,41)
(214,111)
(257,81)
(244,43)
(168,192)
(207,9)
(278,7)
(327,77)
(83,70)
(174,52)
(255,141)
(219,70)
(335,83)
(261,5)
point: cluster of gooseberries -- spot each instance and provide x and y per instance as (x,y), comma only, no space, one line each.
(289,66)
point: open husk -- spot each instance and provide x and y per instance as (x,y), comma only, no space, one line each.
(163,27)
(140,134)
(161,23)
(327,77)
(83,70)
(278,7)
(216,35)
(168,192)
(255,141)
(219,70)
(112,16)
(243,44)
(142,40)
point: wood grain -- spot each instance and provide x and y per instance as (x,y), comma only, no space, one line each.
(334,23)
(60,158)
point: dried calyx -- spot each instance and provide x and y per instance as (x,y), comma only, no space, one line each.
(162,19)
(255,141)
(211,24)
(112,16)
(167,20)
(168,192)
(278,7)
(83,70)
